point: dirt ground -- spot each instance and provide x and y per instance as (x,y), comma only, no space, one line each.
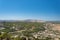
(56,26)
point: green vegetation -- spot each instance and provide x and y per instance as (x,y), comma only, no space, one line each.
(23,31)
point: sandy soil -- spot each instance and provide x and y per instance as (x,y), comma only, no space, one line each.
(56,26)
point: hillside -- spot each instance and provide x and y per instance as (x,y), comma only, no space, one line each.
(31,30)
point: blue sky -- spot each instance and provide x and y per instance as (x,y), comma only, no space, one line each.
(30,9)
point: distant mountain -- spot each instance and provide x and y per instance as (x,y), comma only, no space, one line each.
(9,20)
(29,20)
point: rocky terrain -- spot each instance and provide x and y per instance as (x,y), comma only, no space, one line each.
(29,30)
